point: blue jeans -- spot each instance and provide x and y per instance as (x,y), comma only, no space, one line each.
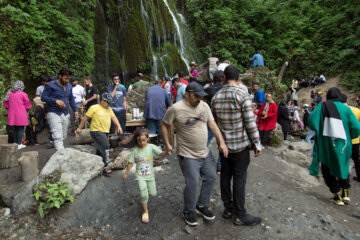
(153,126)
(18,133)
(121,116)
(210,137)
(310,135)
(192,170)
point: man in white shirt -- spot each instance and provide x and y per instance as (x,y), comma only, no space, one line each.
(78,94)
(40,89)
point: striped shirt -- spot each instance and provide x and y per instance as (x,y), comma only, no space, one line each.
(232,108)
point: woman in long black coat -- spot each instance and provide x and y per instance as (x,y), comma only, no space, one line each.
(284,118)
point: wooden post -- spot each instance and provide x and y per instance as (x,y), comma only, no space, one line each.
(8,156)
(29,165)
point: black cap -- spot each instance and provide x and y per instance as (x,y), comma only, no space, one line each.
(196,88)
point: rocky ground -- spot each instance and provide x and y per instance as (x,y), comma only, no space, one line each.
(293,205)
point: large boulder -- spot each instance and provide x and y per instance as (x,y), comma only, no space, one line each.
(136,98)
(69,164)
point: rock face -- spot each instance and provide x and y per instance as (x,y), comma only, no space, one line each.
(295,152)
(69,164)
(136,98)
(75,166)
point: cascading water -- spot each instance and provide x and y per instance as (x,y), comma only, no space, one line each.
(179,35)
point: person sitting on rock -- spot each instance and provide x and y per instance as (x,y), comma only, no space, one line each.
(194,75)
(257,60)
(143,156)
(101,117)
(140,82)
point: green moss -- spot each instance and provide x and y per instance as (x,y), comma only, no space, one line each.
(136,44)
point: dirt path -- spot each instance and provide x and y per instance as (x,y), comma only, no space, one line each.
(293,205)
(304,93)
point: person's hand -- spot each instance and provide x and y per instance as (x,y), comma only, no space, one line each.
(224,150)
(84,103)
(169,149)
(60,103)
(119,131)
(76,115)
(257,152)
(124,176)
(78,131)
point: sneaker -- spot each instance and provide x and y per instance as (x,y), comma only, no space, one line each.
(190,218)
(21,146)
(337,200)
(204,211)
(345,196)
(227,214)
(248,220)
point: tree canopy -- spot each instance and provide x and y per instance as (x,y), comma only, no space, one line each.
(315,36)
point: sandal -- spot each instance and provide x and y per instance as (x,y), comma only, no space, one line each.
(145,217)
(107,171)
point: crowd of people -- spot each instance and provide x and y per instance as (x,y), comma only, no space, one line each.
(240,119)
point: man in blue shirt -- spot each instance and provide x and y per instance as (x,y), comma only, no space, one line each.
(157,100)
(259,95)
(180,89)
(257,60)
(118,106)
(58,95)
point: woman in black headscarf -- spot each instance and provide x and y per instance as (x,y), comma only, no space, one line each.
(284,118)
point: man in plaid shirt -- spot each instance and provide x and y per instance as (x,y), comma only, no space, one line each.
(232,108)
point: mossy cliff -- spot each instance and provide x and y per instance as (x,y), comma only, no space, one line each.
(135,35)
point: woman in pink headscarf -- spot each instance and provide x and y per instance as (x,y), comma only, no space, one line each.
(17,103)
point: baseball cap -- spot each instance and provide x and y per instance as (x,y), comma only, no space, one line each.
(107,98)
(196,88)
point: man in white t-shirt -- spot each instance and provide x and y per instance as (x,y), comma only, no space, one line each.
(78,94)
(40,89)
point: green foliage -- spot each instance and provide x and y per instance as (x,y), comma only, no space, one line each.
(52,195)
(316,37)
(40,37)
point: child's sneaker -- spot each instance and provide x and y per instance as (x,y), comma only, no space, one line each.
(337,199)
(345,196)
(190,218)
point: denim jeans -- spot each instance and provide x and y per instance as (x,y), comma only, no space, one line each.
(102,145)
(234,167)
(210,137)
(309,136)
(72,116)
(18,134)
(154,126)
(121,116)
(192,170)
(58,128)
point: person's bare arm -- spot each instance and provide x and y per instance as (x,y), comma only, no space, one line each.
(119,130)
(129,166)
(94,97)
(216,131)
(82,124)
(164,133)
(114,91)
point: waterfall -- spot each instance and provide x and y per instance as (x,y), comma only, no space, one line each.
(154,69)
(162,62)
(179,35)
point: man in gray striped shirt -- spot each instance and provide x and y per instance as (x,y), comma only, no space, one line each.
(232,108)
